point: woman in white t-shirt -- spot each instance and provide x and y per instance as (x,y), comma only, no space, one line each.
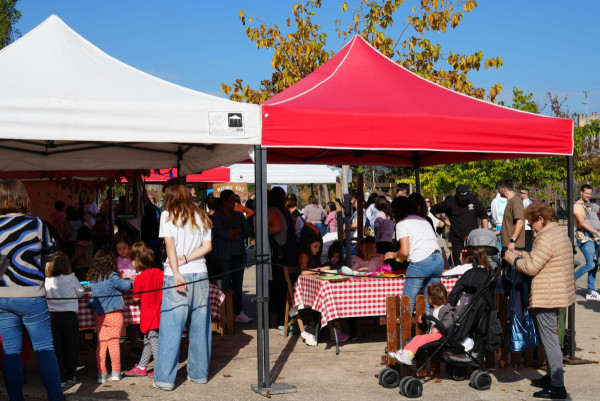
(186,230)
(419,245)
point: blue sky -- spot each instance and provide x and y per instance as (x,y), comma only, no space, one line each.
(546,45)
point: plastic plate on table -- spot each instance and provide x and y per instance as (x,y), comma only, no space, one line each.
(333,278)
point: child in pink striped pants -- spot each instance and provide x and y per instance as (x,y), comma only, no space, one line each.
(107,283)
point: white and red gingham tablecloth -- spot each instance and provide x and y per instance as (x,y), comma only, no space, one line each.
(87,317)
(351,298)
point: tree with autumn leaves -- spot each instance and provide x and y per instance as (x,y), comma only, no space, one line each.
(403,34)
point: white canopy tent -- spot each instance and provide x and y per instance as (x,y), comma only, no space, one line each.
(66,105)
(288,173)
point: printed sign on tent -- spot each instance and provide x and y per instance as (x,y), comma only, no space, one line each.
(225,123)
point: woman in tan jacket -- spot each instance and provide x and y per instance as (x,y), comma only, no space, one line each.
(550,263)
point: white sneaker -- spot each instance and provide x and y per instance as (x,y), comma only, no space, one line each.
(115,376)
(309,339)
(467,343)
(242,318)
(102,377)
(402,356)
(593,295)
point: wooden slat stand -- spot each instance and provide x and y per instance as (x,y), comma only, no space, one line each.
(225,323)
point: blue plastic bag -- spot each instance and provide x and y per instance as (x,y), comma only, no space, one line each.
(523,335)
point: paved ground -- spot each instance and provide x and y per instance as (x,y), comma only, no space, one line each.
(318,373)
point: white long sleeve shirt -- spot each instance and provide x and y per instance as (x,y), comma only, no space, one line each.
(63,286)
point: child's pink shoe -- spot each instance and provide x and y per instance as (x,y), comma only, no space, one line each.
(136,371)
(151,375)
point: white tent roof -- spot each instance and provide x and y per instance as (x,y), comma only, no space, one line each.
(288,173)
(66,105)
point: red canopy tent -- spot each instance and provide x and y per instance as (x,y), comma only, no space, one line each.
(218,174)
(362,108)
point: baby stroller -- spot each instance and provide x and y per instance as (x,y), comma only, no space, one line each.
(473,300)
(488,240)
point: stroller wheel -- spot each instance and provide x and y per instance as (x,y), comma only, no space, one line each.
(402,383)
(413,388)
(480,380)
(381,372)
(390,378)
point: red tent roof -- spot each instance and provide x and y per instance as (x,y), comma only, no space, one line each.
(219,174)
(362,108)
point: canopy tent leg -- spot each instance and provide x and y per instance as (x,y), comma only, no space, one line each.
(571,359)
(347,213)
(417,168)
(111,221)
(264,384)
(570,221)
(418,179)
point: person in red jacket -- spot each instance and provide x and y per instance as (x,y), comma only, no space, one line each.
(148,279)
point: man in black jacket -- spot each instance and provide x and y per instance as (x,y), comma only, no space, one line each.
(461,213)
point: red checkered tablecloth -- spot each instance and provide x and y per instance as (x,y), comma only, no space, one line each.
(87,318)
(351,298)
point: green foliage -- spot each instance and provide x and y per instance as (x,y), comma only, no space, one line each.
(538,172)
(586,160)
(524,102)
(9,16)
(303,49)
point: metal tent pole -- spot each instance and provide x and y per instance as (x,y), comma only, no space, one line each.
(264,385)
(570,222)
(418,179)
(417,174)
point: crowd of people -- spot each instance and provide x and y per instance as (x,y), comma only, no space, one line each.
(401,233)
(404,234)
(43,273)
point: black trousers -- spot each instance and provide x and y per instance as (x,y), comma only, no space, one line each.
(65,333)
(278,295)
(456,248)
(528,240)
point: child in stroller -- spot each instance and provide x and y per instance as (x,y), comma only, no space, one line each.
(443,312)
(473,302)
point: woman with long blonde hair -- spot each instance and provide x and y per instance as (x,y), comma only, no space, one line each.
(186,230)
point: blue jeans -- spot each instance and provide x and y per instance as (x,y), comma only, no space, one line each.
(33,314)
(192,310)
(431,266)
(319,226)
(588,249)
